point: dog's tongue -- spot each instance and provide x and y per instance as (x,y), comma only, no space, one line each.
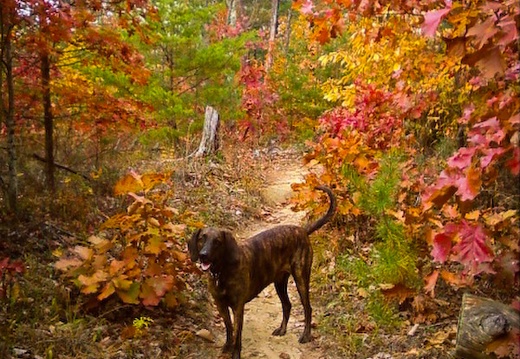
(205,266)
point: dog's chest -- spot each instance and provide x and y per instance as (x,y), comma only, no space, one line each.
(225,289)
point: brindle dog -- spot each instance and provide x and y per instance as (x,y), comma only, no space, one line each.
(240,271)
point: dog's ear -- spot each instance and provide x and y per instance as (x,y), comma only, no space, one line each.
(193,246)
(231,246)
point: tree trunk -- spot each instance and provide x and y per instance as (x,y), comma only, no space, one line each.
(7,61)
(48,120)
(482,324)
(209,144)
(275,6)
(233,11)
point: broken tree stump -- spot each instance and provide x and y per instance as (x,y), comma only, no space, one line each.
(209,142)
(482,322)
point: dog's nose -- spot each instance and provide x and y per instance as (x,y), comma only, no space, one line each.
(203,255)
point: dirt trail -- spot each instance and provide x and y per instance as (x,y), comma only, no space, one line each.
(264,313)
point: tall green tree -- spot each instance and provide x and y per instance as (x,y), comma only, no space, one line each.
(194,56)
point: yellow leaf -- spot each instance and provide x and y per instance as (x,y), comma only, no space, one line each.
(496,218)
(473,216)
(58,252)
(150,180)
(154,222)
(121,282)
(129,183)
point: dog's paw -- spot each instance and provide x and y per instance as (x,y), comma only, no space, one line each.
(227,348)
(279,331)
(305,338)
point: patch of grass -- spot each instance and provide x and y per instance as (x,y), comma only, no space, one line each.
(382,312)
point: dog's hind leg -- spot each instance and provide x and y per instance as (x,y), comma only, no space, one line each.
(281,290)
(302,275)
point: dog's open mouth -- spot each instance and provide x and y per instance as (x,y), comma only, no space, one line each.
(205,266)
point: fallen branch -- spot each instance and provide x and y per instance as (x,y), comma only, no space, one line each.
(63,167)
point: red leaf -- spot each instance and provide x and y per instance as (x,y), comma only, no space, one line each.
(433,18)
(3,263)
(469,185)
(490,154)
(307,7)
(462,159)
(17,266)
(441,247)
(514,163)
(440,192)
(473,249)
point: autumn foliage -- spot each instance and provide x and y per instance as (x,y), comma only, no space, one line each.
(390,96)
(138,255)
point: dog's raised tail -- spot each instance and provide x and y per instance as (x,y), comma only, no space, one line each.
(314,226)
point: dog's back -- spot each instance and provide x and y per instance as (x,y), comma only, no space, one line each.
(273,253)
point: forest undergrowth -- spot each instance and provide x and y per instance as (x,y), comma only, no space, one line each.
(43,318)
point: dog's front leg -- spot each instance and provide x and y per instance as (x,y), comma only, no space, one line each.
(224,313)
(238,316)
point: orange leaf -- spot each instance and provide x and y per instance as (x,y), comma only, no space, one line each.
(107,291)
(454,279)
(115,266)
(153,269)
(431,282)
(179,256)
(148,295)
(176,229)
(64,263)
(440,196)
(84,252)
(398,292)
(161,284)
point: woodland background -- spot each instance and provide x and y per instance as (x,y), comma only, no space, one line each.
(408,109)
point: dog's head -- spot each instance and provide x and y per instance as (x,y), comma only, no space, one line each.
(213,248)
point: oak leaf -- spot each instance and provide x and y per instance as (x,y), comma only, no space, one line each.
(441,247)
(433,18)
(85,253)
(65,263)
(131,295)
(107,291)
(473,248)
